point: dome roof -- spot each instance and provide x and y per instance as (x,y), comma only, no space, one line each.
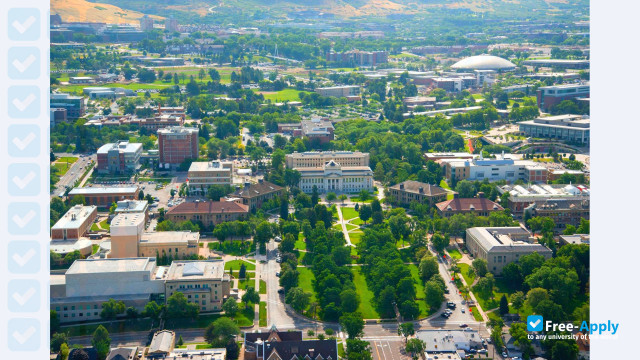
(484,62)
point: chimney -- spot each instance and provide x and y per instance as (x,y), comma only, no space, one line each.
(401,186)
(480,195)
(247,185)
(261,181)
(455,195)
(421,190)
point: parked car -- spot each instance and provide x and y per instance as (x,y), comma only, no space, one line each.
(278,274)
(462,310)
(281,291)
(463,325)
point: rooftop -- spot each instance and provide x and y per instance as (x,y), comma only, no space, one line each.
(469,204)
(484,62)
(132,206)
(446,340)
(95,266)
(505,238)
(208,207)
(74,218)
(163,342)
(196,270)
(251,190)
(122,146)
(210,166)
(170,237)
(203,354)
(545,191)
(127,219)
(417,187)
(576,239)
(104,190)
(177,130)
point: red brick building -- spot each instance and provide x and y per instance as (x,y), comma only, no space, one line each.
(105,196)
(176,144)
(209,212)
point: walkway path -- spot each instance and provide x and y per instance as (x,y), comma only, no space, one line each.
(344,227)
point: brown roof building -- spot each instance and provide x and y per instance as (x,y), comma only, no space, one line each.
(406,192)
(480,205)
(254,195)
(276,344)
(208,212)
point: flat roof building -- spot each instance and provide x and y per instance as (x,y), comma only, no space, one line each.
(200,354)
(316,130)
(500,246)
(503,167)
(162,344)
(521,196)
(571,128)
(105,196)
(73,104)
(332,171)
(203,174)
(575,239)
(203,282)
(313,159)
(449,341)
(177,144)
(563,212)
(548,96)
(348,91)
(75,223)
(119,158)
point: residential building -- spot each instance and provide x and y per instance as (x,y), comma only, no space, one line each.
(500,246)
(348,91)
(78,294)
(503,167)
(359,58)
(562,211)
(548,96)
(313,159)
(480,206)
(146,23)
(162,343)
(254,195)
(203,282)
(276,344)
(171,24)
(105,196)
(571,128)
(210,213)
(521,196)
(75,223)
(177,144)
(73,104)
(575,239)
(119,158)
(406,192)
(123,353)
(203,174)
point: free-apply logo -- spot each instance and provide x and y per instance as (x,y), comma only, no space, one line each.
(535,322)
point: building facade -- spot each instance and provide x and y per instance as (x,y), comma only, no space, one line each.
(177,144)
(314,159)
(119,158)
(210,213)
(255,195)
(571,128)
(500,168)
(75,223)
(348,91)
(406,192)
(500,246)
(105,196)
(521,196)
(480,206)
(73,104)
(203,174)
(549,96)
(203,282)
(563,212)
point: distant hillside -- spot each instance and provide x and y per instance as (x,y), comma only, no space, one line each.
(119,10)
(83,10)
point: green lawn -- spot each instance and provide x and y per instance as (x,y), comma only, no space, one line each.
(366,295)
(357,221)
(263,313)
(235,265)
(235,247)
(455,254)
(105,224)
(67,159)
(355,237)
(305,281)
(349,213)
(357,199)
(61,168)
(351,227)
(341,351)
(94,248)
(464,270)
(301,255)
(499,290)
(300,243)
(94,227)
(444,185)
(283,95)
(476,314)
(263,287)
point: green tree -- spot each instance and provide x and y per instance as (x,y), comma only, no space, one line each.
(54,322)
(101,342)
(242,273)
(465,189)
(64,351)
(350,300)
(406,329)
(434,294)
(179,307)
(439,241)
(428,267)
(220,332)
(365,213)
(230,307)
(251,296)
(358,350)
(331,197)
(57,340)
(298,299)
(535,296)
(504,305)
(415,347)
(111,309)
(517,300)
(353,324)
(180,342)
(480,266)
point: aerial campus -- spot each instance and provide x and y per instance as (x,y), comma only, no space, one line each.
(325,183)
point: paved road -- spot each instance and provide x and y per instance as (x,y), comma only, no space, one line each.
(73,174)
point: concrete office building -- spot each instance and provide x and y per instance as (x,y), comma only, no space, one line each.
(254,195)
(503,167)
(521,196)
(171,24)
(75,223)
(79,293)
(548,96)
(200,354)
(313,159)
(210,213)
(316,130)
(106,196)
(176,144)
(500,246)
(436,157)
(408,191)
(203,282)
(571,128)
(133,207)
(203,174)
(360,58)
(333,177)
(126,231)
(119,158)
(73,104)
(146,23)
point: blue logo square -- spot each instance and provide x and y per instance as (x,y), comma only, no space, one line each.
(24,179)
(24,140)
(24,63)
(24,218)
(535,322)
(24,102)
(23,257)
(24,24)
(24,295)
(24,334)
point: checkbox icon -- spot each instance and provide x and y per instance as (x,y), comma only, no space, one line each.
(24,102)
(24,24)
(24,334)
(23,257)
(24,63)
(534,322)
(24,179)
(24,295)
(24,218)
(24,140)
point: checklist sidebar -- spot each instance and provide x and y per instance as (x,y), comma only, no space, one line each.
(24,214)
